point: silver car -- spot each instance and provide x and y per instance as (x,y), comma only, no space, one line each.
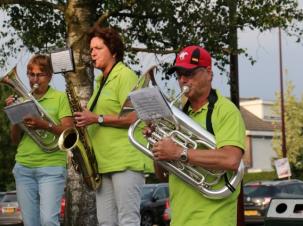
(10,213)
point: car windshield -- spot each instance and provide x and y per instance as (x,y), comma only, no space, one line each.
(147,192)
(9,198)
(259,191)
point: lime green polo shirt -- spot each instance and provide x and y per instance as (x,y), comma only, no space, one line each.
(112,148)
(29,154)
(190,207)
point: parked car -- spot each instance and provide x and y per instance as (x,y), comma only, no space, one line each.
(10,213)
(2,193)
(62,210)
(167,213)
(153,202)
(257,196)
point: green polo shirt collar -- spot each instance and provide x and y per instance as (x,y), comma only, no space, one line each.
(112,75)
(204,107)
(50,94)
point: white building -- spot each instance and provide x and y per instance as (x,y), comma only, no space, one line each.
(258,117)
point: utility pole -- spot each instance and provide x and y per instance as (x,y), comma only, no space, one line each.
(284,150)
(234,86)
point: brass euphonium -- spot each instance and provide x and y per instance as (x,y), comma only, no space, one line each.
(46,140)
(188,134)
(77,141)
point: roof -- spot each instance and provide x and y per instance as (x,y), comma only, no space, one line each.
(253,123)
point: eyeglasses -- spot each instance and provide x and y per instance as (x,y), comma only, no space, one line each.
(38,75)
(189,73)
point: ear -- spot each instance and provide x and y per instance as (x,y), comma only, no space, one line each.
(209,73)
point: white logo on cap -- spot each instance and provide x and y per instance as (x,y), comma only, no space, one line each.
(182,55)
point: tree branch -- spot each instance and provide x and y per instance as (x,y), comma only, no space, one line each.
(60,6)
(146,50)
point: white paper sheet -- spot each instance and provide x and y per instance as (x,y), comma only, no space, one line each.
(17,112)
(150,104)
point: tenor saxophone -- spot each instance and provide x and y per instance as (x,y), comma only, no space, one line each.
(77,141)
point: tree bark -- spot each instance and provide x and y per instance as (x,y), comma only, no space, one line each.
(80,201)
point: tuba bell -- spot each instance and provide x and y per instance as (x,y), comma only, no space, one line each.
(188,134)
(46,140)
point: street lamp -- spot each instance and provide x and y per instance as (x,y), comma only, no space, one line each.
(282,97)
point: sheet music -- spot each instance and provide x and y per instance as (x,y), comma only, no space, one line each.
(150,104)
(17,112)
(62,61)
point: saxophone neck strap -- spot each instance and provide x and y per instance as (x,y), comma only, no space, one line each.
(104,79)
(212,99)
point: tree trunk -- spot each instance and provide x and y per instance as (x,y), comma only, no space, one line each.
(80,201)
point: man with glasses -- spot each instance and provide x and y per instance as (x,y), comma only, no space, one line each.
(40,176)
(219,116)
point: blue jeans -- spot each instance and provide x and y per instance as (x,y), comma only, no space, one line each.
(118,198)
(39,193)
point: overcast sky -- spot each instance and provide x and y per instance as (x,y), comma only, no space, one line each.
(259,80)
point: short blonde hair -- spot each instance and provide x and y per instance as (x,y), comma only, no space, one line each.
(42,61)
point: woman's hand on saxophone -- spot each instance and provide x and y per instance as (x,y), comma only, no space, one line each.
(85,118)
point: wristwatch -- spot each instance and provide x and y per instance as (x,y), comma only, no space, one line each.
(100,120)
(184,155)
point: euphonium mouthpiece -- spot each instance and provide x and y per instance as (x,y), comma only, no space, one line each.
(35,86)
(185,89)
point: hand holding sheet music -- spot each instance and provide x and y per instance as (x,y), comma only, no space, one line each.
(17,112)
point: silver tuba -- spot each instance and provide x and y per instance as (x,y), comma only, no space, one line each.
(46,140)
(188,134)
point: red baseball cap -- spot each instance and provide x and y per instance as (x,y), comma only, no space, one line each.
(191,57)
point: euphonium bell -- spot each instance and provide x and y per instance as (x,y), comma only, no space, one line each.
(46,140)
(188,134)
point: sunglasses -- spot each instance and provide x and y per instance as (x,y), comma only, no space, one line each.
(189,73)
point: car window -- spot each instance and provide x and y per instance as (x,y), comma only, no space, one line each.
(1,196)
(147,192)
(295,189)
(160,193)
(259,191)
(10,198)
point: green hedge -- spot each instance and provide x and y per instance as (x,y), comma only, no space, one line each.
(248,177)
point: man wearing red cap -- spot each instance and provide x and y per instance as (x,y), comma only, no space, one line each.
(219,116)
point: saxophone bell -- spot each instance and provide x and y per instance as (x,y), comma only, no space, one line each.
(69,140)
